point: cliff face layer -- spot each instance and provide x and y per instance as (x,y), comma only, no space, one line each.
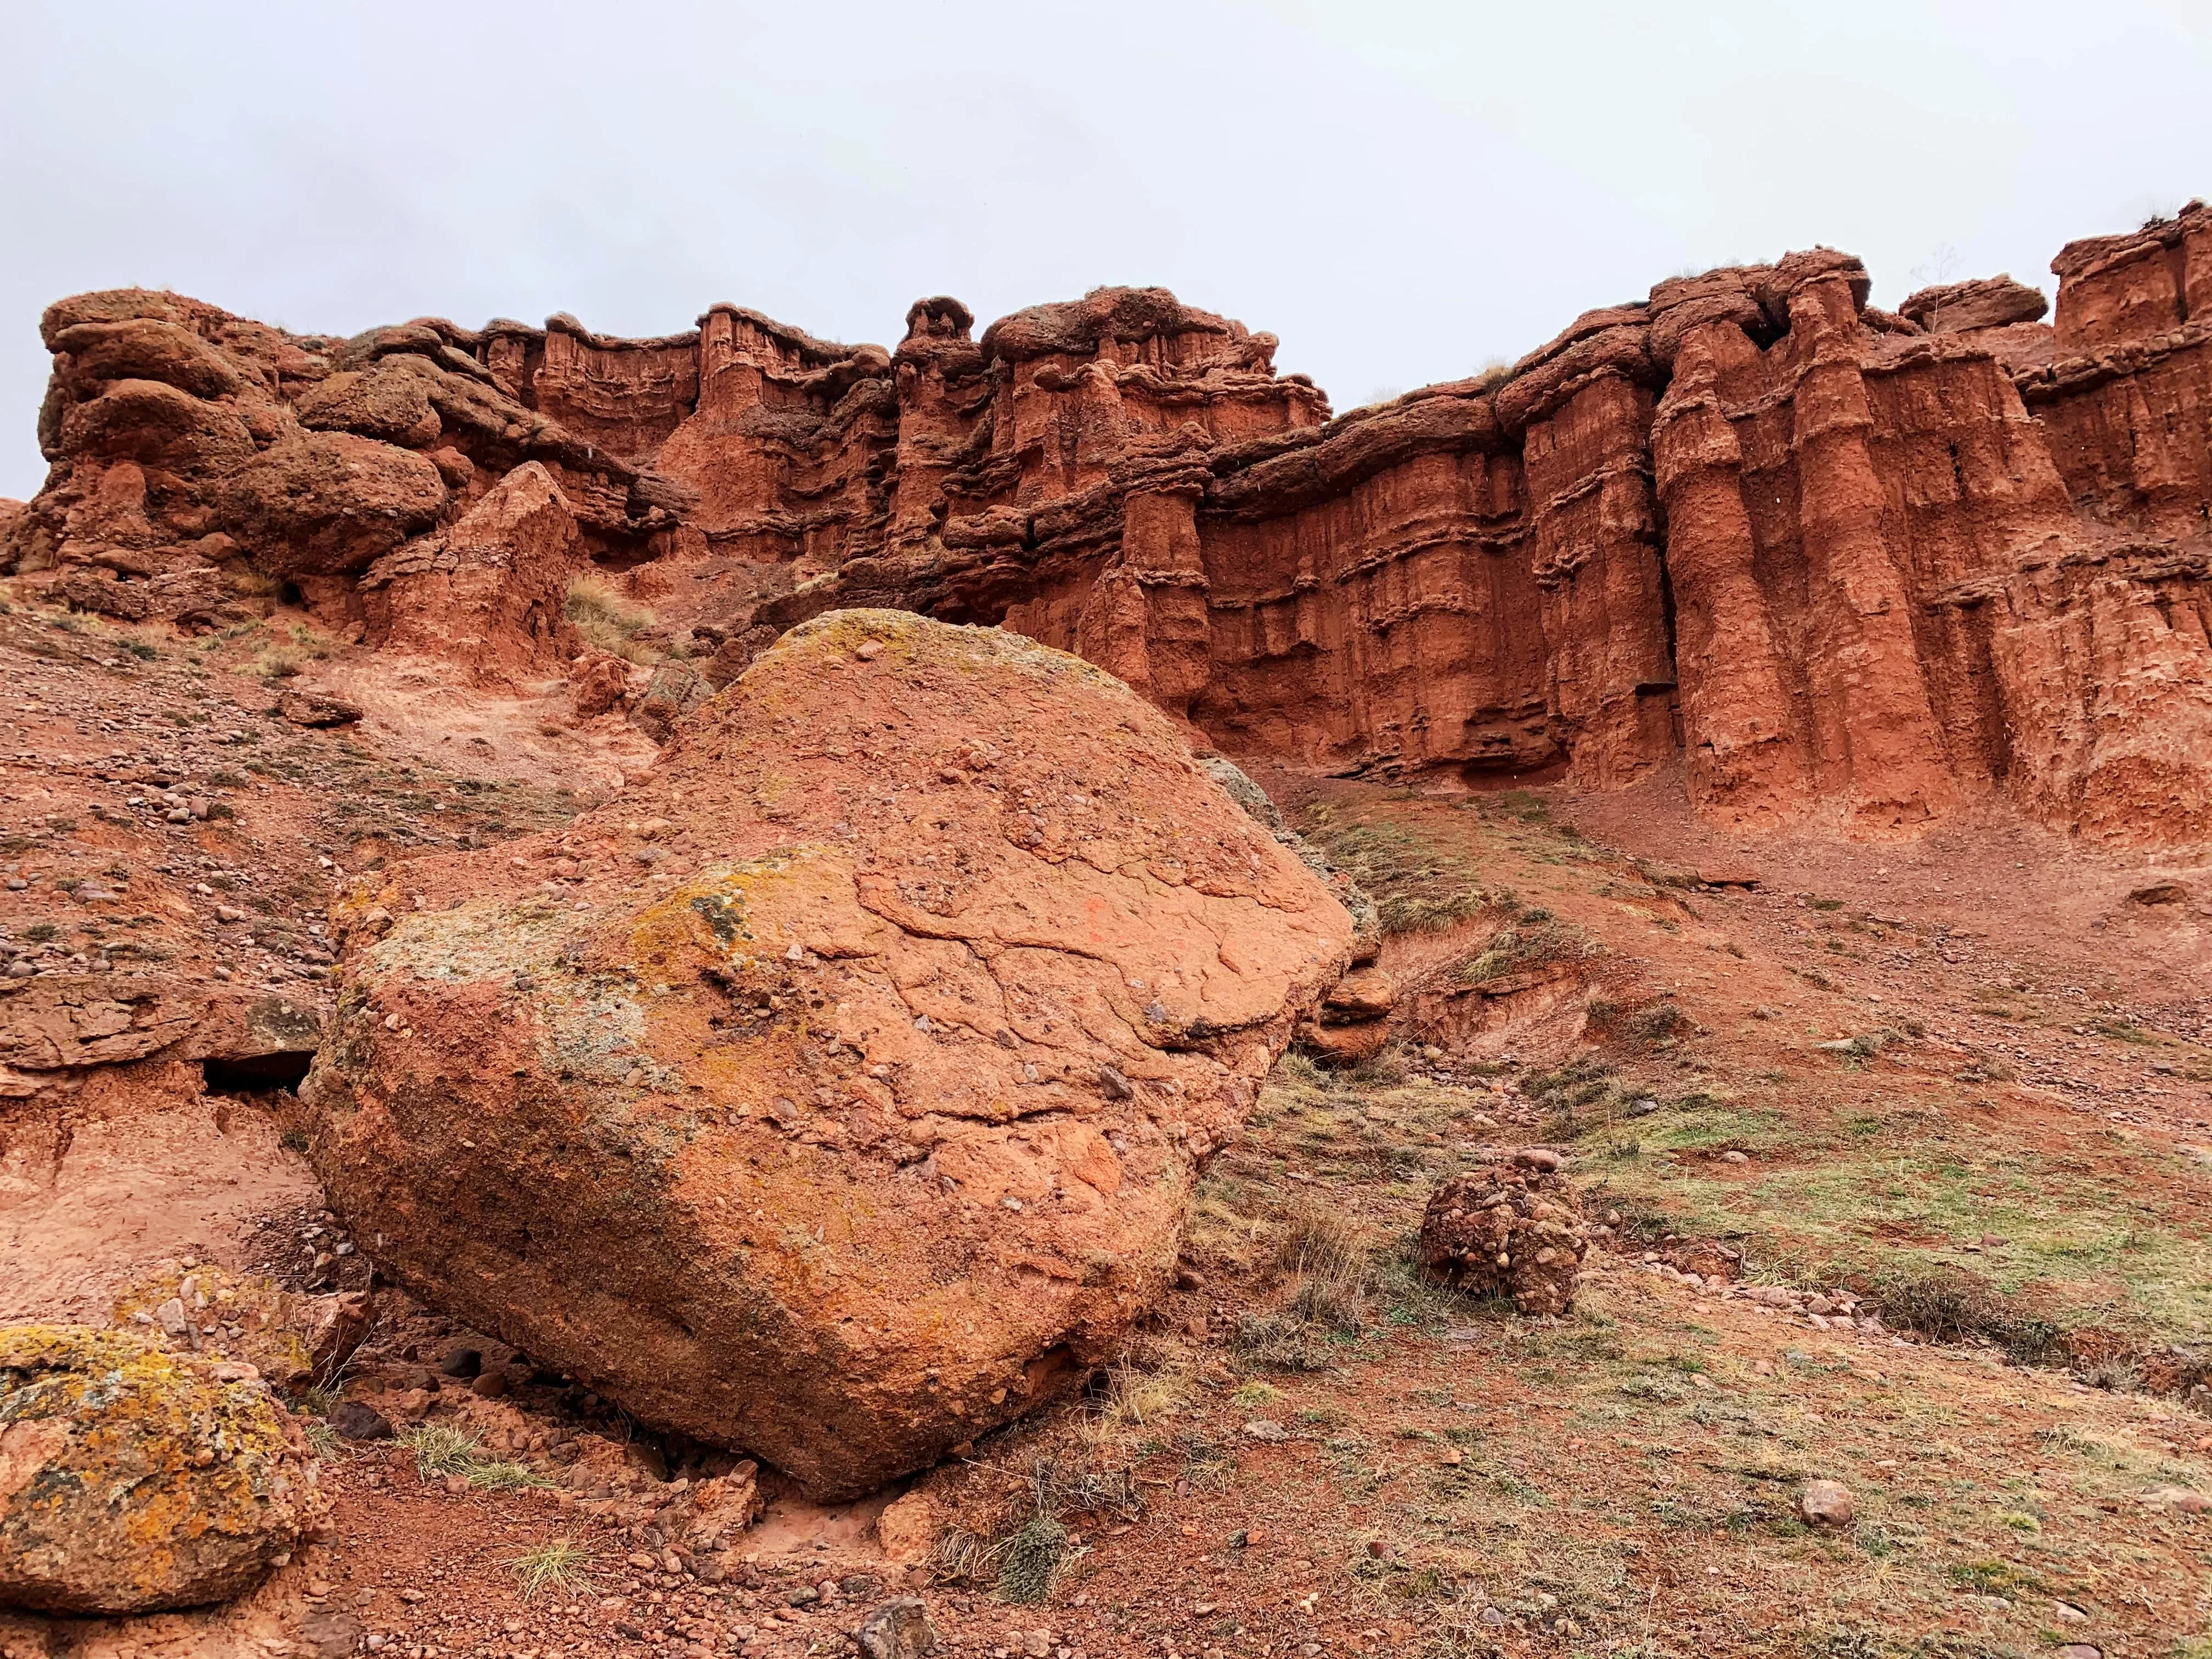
(1833,564)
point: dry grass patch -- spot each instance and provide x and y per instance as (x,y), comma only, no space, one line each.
(609,619)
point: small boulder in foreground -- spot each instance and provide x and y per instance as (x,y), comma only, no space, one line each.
(1512,1232)
(1827,1503)
(134,1480)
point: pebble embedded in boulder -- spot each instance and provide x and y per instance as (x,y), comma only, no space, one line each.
(1508,1231)
(133,1479)
(860,1116)
(1827,1503)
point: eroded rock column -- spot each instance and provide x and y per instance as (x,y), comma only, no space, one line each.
(1877,746)
(1145,621)
(1595,559)
(1744,751)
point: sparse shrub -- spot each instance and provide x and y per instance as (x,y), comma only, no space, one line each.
(1580,1082)
(1331,1297)
(1995,1578)
(2114,1376)
(1384,1069)
(1324,1252)
(1952,1305)
(1533,940)
(1031,1561)
(1059,1488)
(1649,1027)
(1492,374)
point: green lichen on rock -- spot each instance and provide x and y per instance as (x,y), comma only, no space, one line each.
(133,1479)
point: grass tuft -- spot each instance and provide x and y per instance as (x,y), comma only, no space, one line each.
(441,1449)
(559,1566)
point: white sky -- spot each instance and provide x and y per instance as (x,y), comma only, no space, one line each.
(1402,190)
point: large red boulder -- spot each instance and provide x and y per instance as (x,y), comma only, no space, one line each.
(836,1092)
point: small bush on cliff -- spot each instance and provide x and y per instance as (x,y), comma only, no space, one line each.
(607,620)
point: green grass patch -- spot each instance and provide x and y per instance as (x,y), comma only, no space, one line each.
(1888,1203)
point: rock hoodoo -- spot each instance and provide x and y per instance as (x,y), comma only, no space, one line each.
(1830,564)
(833,1094)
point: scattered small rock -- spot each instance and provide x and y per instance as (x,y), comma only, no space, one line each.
(352,1420)
(1827,1503)
(899,1629)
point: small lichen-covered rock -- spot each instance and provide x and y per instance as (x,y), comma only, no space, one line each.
(842,1099)
(1507,1232)
(132,1479)
(292,1339)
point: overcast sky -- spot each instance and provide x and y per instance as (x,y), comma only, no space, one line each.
(1402,191)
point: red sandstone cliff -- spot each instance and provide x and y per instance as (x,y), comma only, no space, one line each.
(1833,564)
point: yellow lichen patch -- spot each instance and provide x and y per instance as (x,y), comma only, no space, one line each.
(230,1317)
(716,917)
(177,1484)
